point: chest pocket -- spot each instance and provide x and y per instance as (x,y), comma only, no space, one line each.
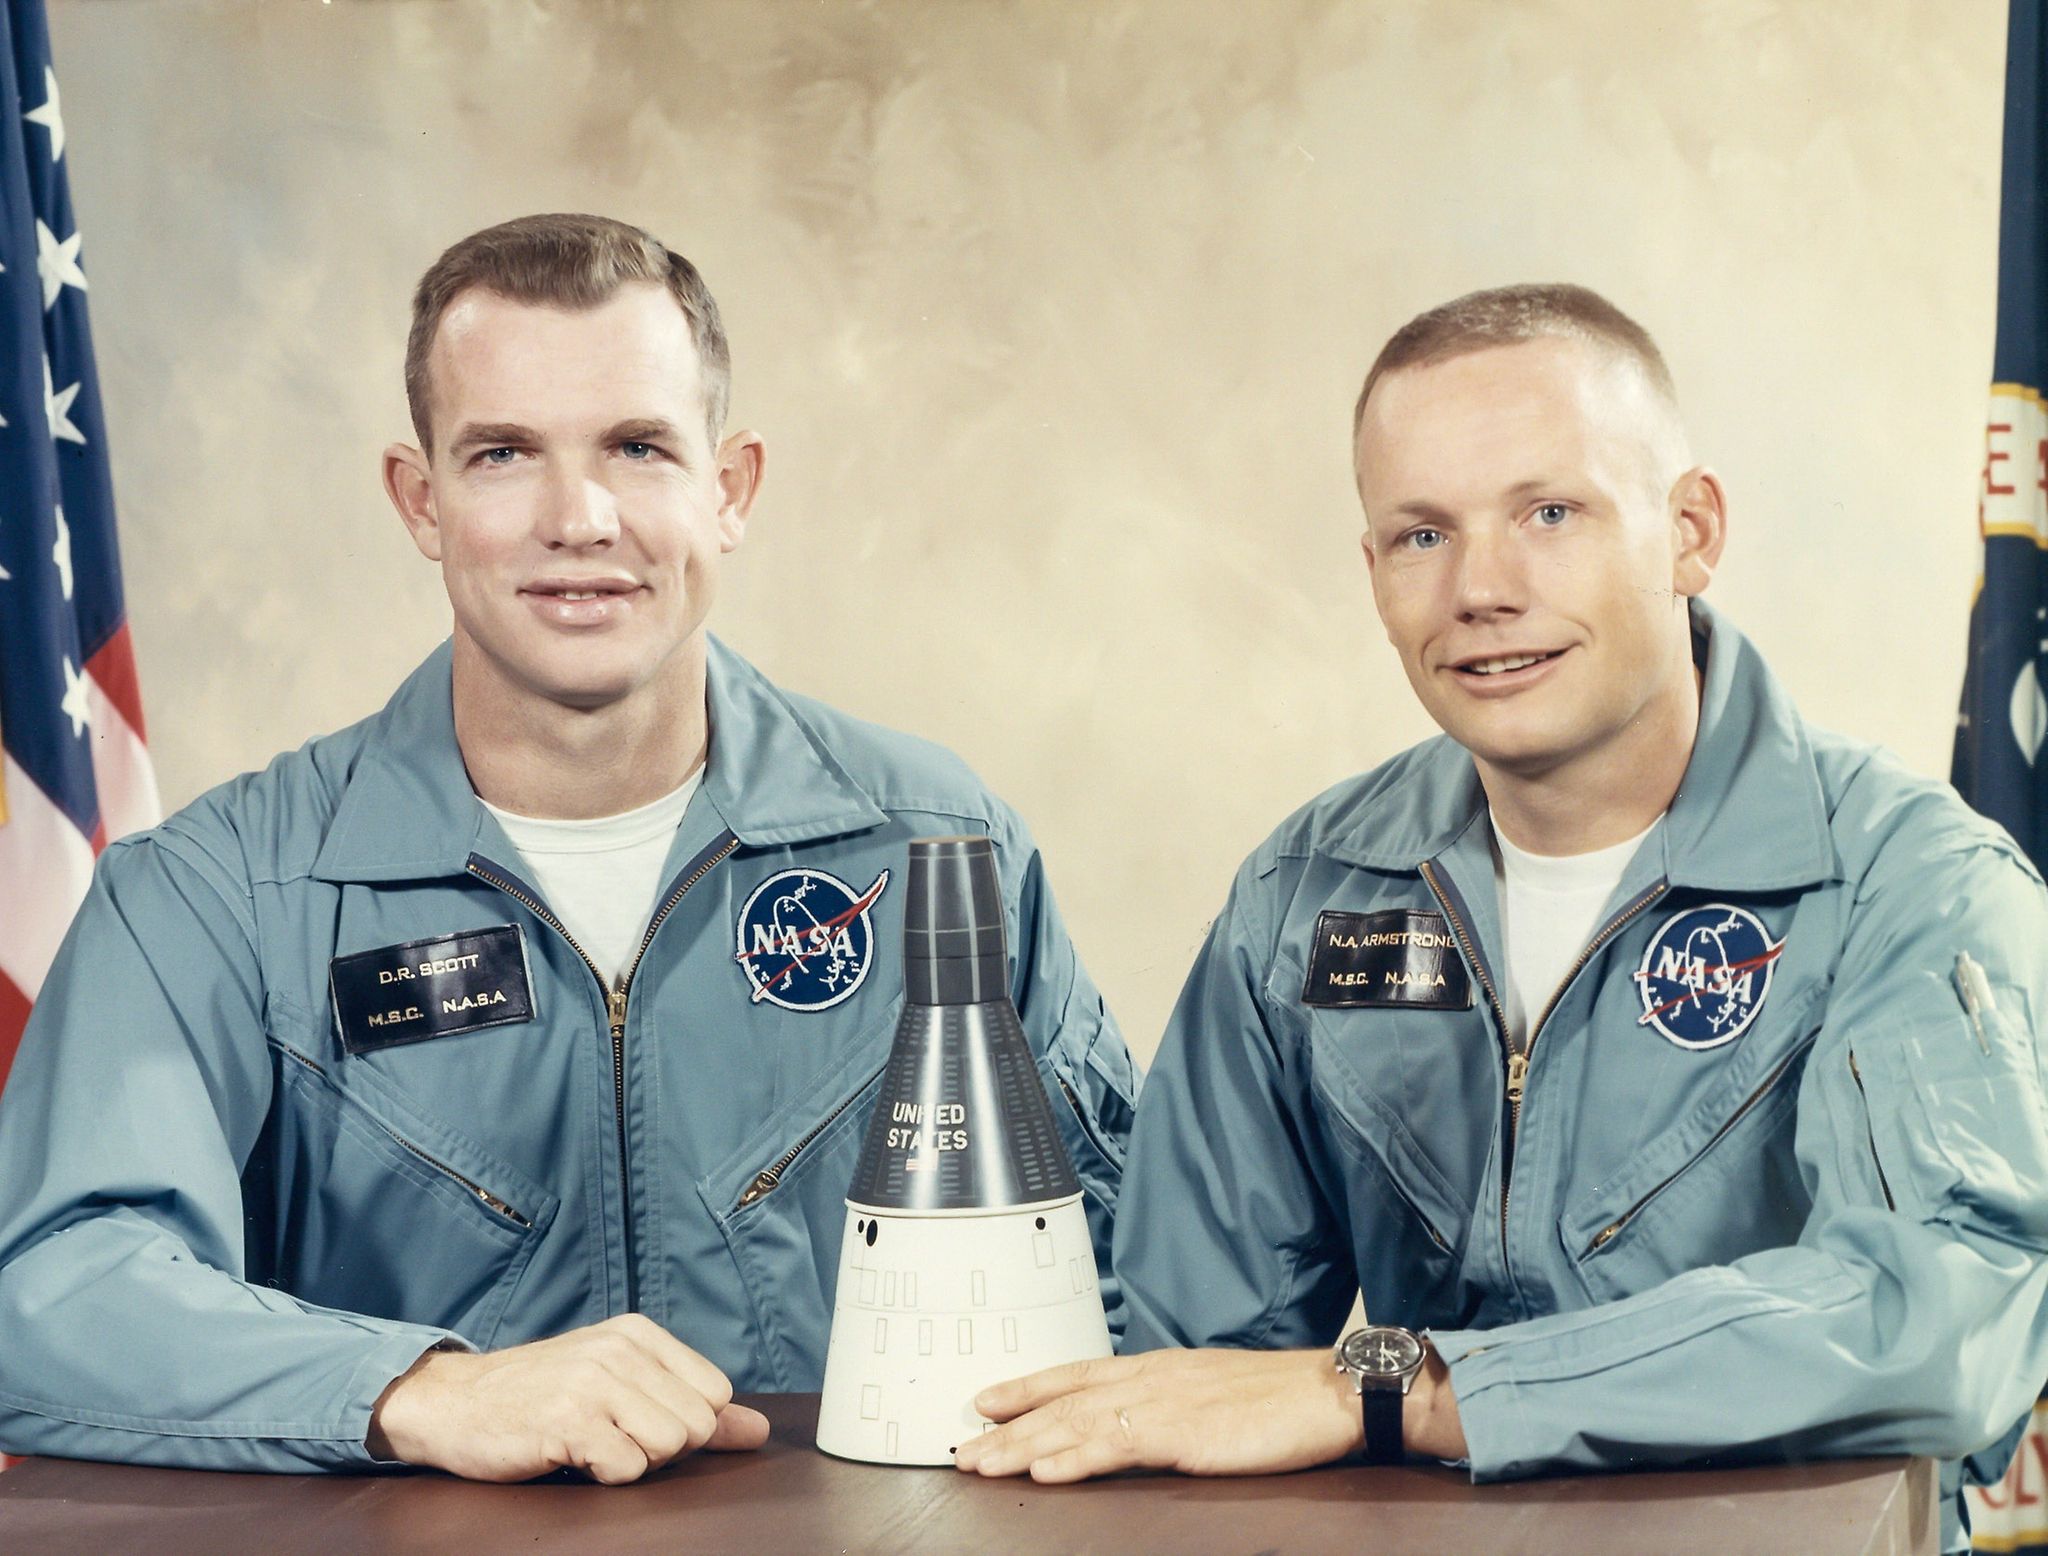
(1720,1181)
(360,1203)
(780,1201)
(1410,1093)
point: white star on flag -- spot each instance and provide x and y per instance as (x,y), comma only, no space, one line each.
(74,706)
(61,553)
(57,403)
(57,263)
(51,115)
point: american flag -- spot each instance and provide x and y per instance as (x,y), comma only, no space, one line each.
(76,773)
(2001,765)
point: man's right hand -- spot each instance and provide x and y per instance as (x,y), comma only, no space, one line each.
(615,1400)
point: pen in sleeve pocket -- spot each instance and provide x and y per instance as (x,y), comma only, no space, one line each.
(1975,991)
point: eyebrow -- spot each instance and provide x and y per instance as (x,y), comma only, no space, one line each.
(491,435)
(644,430)
(1418,508)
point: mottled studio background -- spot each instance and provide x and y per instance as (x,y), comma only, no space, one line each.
(1052,315)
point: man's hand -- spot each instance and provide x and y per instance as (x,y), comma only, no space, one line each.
(1199,1412)
(616,1400)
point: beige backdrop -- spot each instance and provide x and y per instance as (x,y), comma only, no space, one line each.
(1052,315)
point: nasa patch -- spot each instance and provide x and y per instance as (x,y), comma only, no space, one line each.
(1705,973)
(806,940)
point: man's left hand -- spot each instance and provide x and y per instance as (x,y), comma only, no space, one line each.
(1212,1412)
(1198,1412)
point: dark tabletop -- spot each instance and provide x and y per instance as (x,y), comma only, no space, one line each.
(790,1498)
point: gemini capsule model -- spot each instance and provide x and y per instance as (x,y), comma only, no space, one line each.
(966,1257)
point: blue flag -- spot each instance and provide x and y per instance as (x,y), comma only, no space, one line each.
(2004,716)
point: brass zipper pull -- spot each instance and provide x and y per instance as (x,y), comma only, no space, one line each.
(1518,1076)
(501,1207)
(615,1002)
(763,1183)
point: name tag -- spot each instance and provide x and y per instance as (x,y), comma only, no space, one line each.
(1397,958)
(431,988)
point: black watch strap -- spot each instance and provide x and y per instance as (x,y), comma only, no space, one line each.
(1382,1407)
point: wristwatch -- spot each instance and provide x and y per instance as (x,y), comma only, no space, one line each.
(1381,1362)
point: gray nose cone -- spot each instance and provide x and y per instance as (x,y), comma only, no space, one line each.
(953,952)
(962,1121)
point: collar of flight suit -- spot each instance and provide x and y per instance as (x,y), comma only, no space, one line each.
(408,810)
(1749,814)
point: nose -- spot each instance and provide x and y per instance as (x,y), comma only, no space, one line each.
(1489,579)
(579,511)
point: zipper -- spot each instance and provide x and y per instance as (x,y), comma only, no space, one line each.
(1870,1133)
(1607,1233)
(663,912)
(482,1193)
(768,1177)
(1613,927)
(1517,1059)
(1518,1054)
(615,1019)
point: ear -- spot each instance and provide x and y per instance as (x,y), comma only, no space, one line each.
(1699,523)
(1365,545)
(411,493)
(742,464)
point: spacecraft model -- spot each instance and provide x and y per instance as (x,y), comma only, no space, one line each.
(967,1258)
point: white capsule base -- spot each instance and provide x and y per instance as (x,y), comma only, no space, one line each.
(938,1307)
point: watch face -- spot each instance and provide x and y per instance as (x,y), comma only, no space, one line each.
(1380,1351)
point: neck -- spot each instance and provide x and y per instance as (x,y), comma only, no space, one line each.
(539,758)
(1597,798)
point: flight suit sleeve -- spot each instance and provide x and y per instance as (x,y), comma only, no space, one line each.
(1225,1237)
(1089,1076)
(142,1083)
(1908,1318)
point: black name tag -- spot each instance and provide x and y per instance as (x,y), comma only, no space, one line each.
(431,988)
(1398,958)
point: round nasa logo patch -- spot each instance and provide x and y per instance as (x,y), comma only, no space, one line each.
(1705,974)
(805,939)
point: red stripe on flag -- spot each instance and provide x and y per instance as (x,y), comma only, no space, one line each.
(13,1017)
(114,668)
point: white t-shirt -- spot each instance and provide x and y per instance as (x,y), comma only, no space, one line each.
(599,877)
(1549,908)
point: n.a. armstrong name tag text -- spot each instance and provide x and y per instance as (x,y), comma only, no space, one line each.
(430,988)
(1399,959)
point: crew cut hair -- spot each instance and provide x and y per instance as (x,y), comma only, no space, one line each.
(564,261)
(1507,316)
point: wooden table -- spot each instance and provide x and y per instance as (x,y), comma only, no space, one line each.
(790,1498)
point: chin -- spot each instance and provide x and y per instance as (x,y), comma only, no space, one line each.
(580,686)
(1525,755)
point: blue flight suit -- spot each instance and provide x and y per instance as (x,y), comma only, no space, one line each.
(1810,1218)
(231,1210)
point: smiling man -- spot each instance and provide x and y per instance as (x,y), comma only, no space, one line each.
(478,1087)
(1663,1071)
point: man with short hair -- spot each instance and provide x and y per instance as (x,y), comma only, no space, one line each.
(1665,1072)
(478,1087)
